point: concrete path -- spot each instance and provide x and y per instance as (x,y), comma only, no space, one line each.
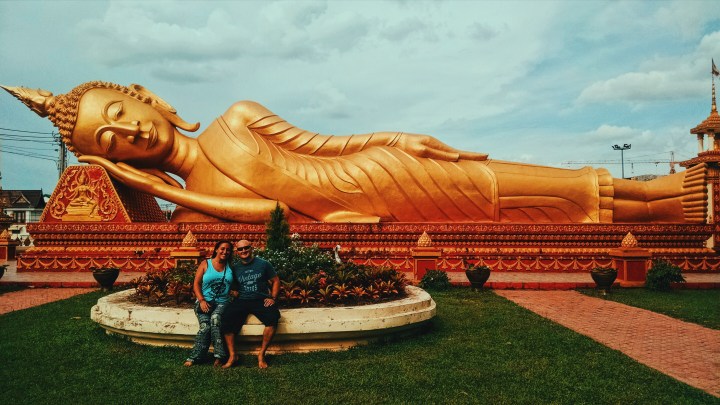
(30,297)
(685,351)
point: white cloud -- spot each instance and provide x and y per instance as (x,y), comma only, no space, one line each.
(660,78)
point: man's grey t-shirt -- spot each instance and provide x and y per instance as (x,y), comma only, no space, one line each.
(252,278)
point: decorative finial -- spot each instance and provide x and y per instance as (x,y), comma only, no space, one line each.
(715,72)
(5,234)
(37,100)
(629,241)
(189,241)
(424,240)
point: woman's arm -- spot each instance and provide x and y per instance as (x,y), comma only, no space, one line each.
(197,286)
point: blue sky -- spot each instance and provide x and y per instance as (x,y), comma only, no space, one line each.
(529,81)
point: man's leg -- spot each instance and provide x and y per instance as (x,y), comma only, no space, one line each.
(268,334)
(232,319)
(269,316)
(230,343)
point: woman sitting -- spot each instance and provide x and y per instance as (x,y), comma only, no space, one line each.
(211,288)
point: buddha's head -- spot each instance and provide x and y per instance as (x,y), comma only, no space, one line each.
(129,124)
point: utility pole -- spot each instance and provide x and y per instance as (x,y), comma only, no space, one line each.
(62,158)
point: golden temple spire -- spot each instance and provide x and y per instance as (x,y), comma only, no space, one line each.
(189,240)
(629,241)
(424,240)
(712,122)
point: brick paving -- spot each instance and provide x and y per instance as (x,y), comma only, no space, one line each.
(16,300)
(685,351)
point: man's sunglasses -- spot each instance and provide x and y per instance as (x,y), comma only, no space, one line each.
(244,248)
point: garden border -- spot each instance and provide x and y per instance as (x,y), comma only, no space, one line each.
(299,330)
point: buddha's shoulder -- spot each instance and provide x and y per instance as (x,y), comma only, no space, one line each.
(246,112)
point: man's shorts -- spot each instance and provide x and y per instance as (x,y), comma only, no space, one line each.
(236,314)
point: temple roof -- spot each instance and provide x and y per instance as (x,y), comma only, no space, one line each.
(22,199)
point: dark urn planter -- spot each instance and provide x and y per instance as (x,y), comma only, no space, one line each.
(106,277)
(477,275)
(2,270)
(604,277)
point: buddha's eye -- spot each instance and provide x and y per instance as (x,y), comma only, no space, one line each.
(114,110)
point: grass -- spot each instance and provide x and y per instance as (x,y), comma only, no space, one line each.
(697,306)
(481,348)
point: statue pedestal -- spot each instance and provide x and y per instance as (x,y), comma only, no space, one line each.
(424,258)
(631,264)
(192,256)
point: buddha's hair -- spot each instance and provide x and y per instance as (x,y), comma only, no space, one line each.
(63,110)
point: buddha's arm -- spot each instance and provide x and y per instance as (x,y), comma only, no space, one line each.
(264,123)
(250,210)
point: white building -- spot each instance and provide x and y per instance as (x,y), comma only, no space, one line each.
(23,206)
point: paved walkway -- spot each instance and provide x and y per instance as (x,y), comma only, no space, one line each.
(16,300)
(682,350)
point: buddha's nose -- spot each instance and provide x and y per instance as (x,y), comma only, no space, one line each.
(126,128)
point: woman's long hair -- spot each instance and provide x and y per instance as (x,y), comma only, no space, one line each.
(217,245)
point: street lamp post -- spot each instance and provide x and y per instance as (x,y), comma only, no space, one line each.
(622,149)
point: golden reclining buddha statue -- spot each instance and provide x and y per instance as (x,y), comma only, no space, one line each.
(249,159)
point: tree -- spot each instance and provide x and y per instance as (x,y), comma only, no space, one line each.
(277,230)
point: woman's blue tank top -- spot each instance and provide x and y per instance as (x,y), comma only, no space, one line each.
(216,284)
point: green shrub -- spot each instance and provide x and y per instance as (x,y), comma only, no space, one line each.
(310,277)
(297,261)
(171,286)
(277,230)
(435,280)
(661,274)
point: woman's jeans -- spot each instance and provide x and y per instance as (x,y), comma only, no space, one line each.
(209,331)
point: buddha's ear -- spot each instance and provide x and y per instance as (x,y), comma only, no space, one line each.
(165,109)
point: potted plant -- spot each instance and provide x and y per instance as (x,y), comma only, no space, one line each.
(604,277)
(105,276)
(477,275)
(2,269)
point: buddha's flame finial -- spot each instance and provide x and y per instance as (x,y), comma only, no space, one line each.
(189,241)
(424,240)
(629,241)
(37,100)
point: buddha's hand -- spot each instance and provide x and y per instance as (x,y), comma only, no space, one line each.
(126,174)
(428,147)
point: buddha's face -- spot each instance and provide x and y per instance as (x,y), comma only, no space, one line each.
(121,128)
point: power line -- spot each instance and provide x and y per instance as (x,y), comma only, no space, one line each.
(28,132)
(29,155)
(22,149)
(46,142)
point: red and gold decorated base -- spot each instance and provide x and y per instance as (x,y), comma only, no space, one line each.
(92,221)
(142,246)
(631,265)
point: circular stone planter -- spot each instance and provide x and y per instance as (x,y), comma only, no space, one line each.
(299,330)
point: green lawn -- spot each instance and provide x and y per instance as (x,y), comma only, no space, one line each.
(697,306)
(481,349)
